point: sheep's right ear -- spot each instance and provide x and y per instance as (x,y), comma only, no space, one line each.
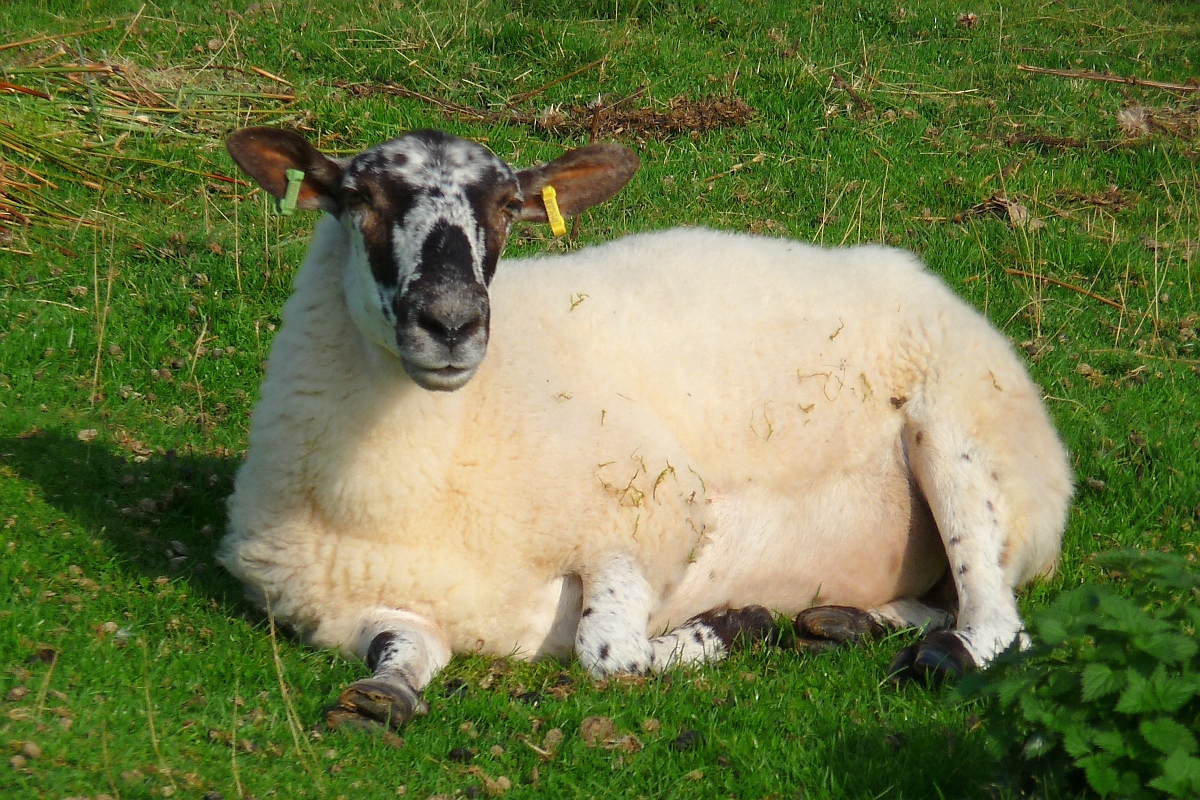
(266,154)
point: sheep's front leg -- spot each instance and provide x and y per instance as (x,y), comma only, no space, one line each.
(611,637)
(403,651)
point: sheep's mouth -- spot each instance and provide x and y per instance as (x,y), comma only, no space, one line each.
(439,379)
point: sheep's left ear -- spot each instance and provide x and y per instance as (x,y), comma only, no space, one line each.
(266,154)
(581,179)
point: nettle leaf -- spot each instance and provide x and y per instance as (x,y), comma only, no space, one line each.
(1170,648)
(1077,740)
(1101,775)
(1127,616)
(1180,775)
(1111,742)
(1012,689)
(1135,700)
(1053,630)
(1171,692)
(1099,680)
(1168,736)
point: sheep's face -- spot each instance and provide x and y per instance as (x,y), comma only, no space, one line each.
(427,216)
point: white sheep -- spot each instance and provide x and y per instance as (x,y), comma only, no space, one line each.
(665,427)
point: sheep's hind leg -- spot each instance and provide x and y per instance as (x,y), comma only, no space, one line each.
(711,636)
(403,651)
(962,487)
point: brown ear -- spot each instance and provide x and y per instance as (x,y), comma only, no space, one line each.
(581,178)
(265,154)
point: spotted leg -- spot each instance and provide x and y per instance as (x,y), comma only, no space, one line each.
(712,636)
(403,651)
(960,483)
(611,637)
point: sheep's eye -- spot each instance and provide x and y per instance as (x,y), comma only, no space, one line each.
(513,206)
(353,197)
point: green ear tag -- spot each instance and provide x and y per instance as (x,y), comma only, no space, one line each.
(287,204)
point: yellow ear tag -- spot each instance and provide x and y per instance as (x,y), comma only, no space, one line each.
(558,225)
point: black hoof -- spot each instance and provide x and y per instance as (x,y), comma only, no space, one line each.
(374,701)
(739,627)
(822,628)
(939,658)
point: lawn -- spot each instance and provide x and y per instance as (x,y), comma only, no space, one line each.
(141,282)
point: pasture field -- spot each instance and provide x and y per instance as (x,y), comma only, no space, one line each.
(141,282)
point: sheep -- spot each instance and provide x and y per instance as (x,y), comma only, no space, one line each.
(672,436)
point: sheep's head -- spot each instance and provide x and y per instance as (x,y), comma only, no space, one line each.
(428,215)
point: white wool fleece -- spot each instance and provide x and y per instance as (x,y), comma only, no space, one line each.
(736,415)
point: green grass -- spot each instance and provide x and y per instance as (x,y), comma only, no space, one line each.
(107,288)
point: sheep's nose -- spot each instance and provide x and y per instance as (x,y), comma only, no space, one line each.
(452,317)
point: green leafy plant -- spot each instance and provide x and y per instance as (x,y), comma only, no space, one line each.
(1109,693)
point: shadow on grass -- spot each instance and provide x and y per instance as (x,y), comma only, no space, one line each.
(164,516)
(919,759)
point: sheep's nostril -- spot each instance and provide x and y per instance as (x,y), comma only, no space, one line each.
(450,330)
(432,325)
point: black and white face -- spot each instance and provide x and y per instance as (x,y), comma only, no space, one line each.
(427,215)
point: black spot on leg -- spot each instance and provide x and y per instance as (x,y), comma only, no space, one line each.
(966,457)
(920,437)
(378,649)
(587,612)
(603,652)
(955,540)
(996,476)
(991,506)
(699,637)
(611,592)
(962,570)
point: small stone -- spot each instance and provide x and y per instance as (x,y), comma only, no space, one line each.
(17,762)
(694,775)
(16,693)
(87,434)
(496,751)
(31,750)
(211,796)
(651,725)
(167,791)
(686,740)
(461,755)
(331,754)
